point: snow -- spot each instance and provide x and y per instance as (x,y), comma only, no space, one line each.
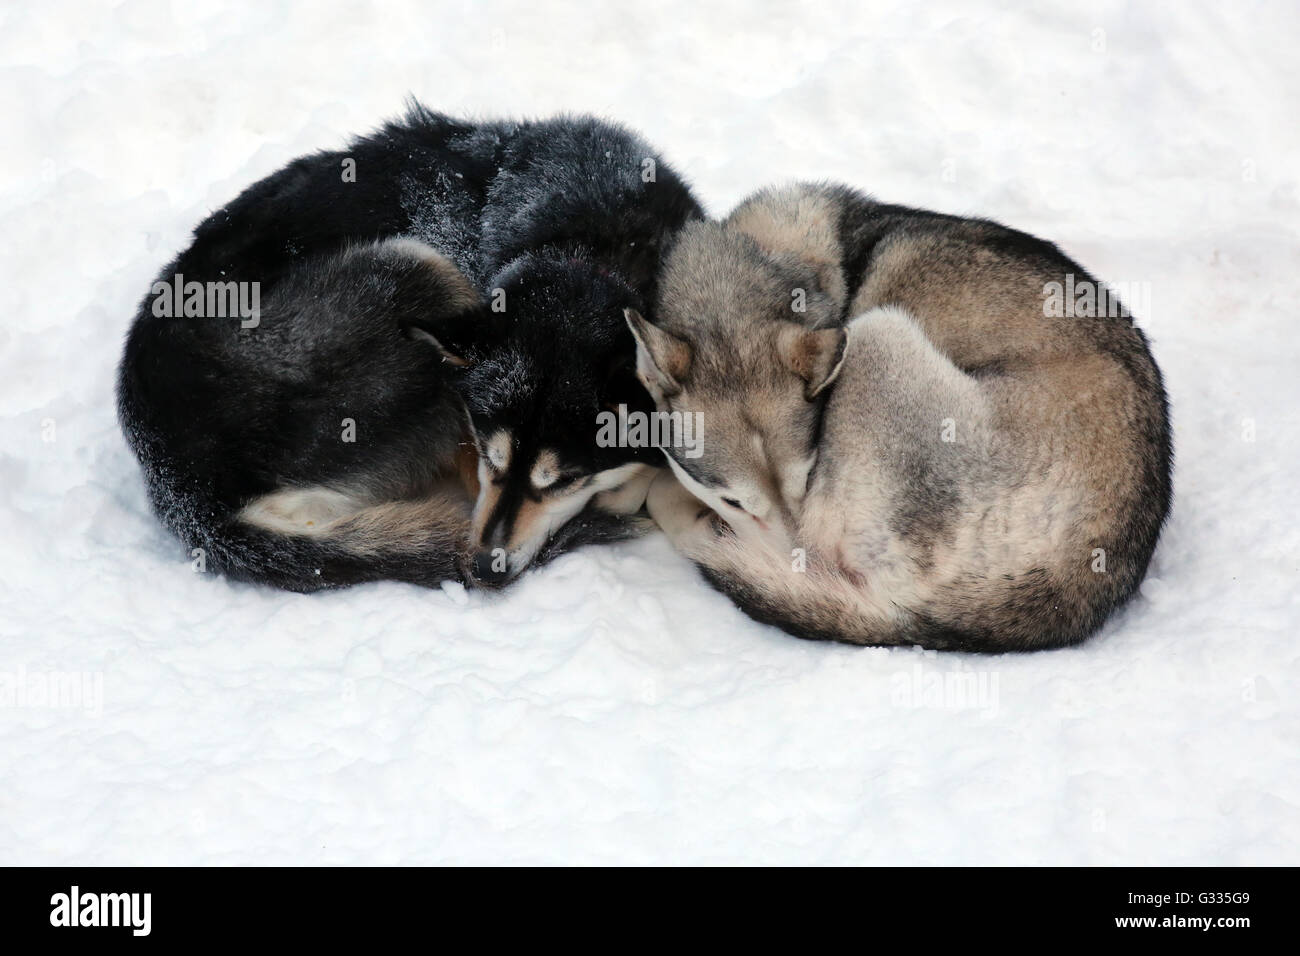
(611,707)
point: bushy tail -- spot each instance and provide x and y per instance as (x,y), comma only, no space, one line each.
(420,541)
(820,603)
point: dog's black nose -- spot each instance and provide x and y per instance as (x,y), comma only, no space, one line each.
(490,567)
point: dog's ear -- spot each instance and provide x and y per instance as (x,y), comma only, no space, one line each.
(662,359)
(419,334)
(816,356)
(814,289)
(455,337)
(622,386)
(798,230)
(433,302)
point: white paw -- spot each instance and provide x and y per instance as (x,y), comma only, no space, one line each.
(628,498)
(674,508)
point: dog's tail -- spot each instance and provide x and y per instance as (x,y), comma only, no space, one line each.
(814,601)
(311,539)
(811,602)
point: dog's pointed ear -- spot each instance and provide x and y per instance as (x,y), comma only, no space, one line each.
(662,359)
(816,356)
(433,301)
(624,387)
(462,338)
(418,334)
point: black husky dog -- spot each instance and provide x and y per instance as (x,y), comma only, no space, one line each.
(308,386)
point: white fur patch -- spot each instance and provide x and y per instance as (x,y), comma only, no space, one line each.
(546,470)
(794,480)
(301,511)
(499,448)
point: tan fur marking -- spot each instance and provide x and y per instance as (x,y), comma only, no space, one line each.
(359,527)
(500,450)
(488,496)
(546,469)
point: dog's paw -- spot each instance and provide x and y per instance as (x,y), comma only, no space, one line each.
(676,510)
(629,497)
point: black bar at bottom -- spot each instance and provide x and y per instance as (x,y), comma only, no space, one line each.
(334,907)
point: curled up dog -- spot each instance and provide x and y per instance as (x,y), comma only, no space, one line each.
(921,454)
(439,318)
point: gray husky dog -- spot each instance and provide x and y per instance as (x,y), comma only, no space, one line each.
(903,444)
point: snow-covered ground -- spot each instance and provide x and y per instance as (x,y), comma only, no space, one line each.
(611,707)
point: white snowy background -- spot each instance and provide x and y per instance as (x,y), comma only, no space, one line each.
(611,707)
